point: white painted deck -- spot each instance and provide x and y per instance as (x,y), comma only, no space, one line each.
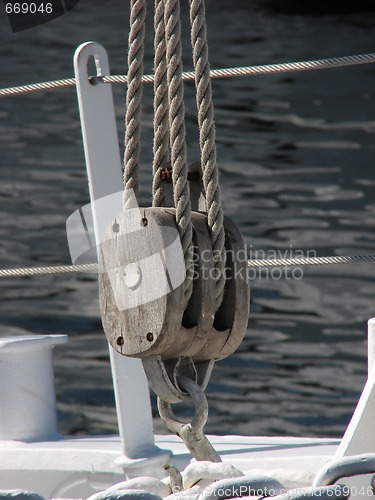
(78,467)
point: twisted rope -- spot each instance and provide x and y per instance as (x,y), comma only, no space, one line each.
(161,121)
(134,96)
(181,189)
(207,138)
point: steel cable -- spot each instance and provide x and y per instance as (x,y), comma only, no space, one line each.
(262,263)
(264,69)
(310,261)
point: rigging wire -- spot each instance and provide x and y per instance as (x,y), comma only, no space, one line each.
(264,69)
(252,263)
(335,62)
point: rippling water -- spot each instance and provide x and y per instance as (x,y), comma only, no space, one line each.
(296,155)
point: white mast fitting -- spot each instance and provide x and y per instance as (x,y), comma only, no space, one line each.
(104,169)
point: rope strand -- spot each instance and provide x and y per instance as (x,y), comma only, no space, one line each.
(161,107)
(207,140)
(181,189)
(134,96)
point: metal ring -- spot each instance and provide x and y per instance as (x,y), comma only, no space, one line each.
(201,408)
(343,467)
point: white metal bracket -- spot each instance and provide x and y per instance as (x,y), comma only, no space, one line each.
(104,171)
(359,437)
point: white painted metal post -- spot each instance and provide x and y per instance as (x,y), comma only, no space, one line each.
(371,345)
(104,170)
(359,436)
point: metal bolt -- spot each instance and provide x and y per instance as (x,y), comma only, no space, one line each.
(94,80)
(166,174)
(116,228)
(120,341)
(150,336)
(132,275)
(144,220)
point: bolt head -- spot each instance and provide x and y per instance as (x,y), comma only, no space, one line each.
(132,275)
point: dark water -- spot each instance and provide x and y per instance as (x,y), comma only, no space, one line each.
(297,158)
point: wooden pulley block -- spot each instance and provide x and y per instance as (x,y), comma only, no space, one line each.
(198,318)
(141,275)
(205,336)
(204,333)
(230,321)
